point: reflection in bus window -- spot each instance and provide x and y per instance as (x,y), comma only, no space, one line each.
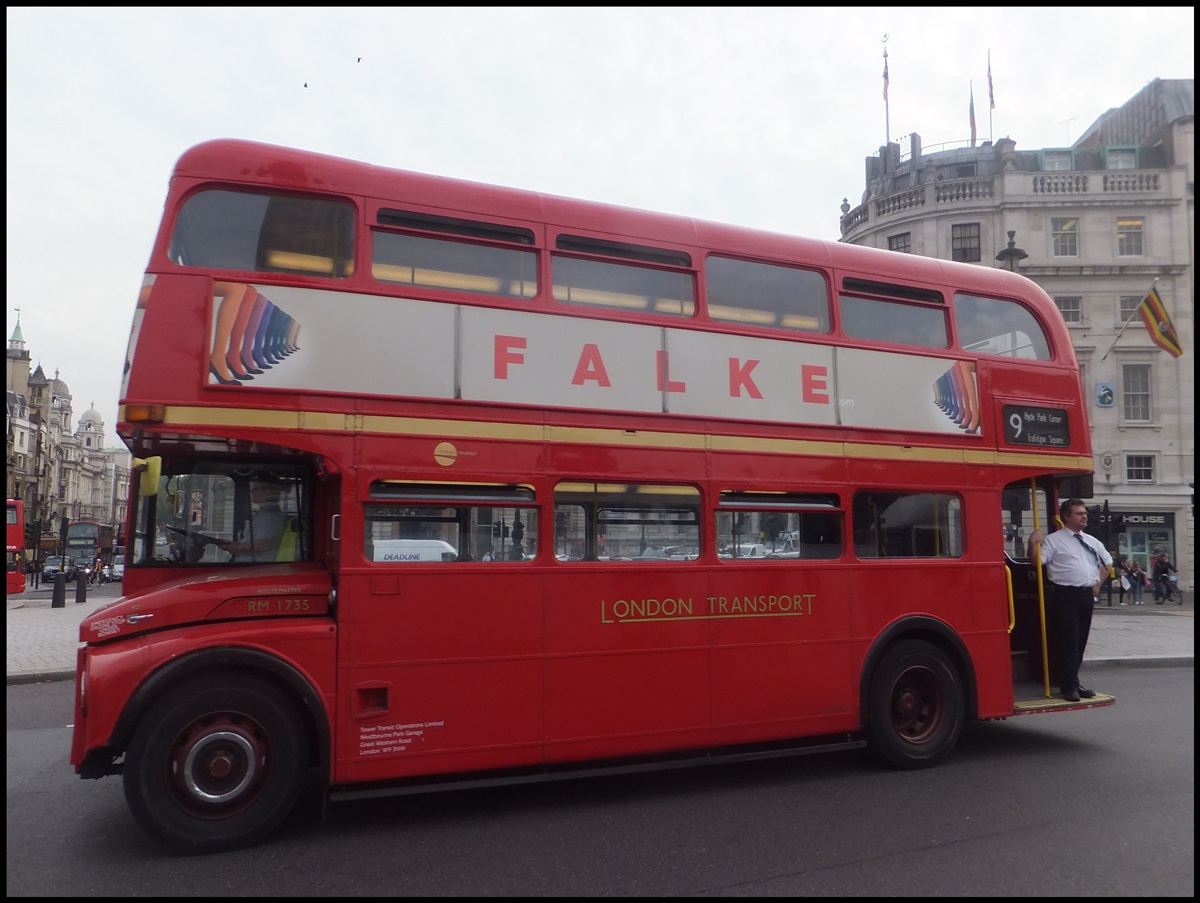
(907,524)
(233,230)
(760,294)
(994,326)
(626,522)
(779,525)
(893,322)
(442,523)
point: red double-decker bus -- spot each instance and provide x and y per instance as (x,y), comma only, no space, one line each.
(441,481)
(14,547)
(89,544)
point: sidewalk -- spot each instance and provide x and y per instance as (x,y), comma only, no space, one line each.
(42,640)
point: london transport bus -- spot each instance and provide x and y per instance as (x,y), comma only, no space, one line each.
(446,483)
(89,542)
(14,545)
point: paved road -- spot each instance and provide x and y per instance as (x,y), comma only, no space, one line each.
(42,640)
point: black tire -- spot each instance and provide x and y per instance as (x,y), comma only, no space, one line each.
(215,765)
(914,706)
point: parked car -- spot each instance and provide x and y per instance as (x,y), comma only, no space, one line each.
(55,565)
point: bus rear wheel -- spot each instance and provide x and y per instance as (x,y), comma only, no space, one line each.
(215,766)
(914,706)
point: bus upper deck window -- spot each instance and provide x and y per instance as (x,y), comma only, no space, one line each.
(759,294)
(996,326)
(264,233)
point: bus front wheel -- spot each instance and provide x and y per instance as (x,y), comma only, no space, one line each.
(914,706)
(215,765)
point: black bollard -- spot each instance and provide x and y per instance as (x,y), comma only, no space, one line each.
(81,588)
(59,597)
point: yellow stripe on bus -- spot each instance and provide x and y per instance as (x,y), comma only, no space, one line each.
(320,421)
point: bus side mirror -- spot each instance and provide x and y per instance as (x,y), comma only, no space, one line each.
(151,471)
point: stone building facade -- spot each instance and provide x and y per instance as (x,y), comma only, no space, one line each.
(1095,225)
(56,468)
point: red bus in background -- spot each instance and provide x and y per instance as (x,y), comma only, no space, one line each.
(440,481)
(14,547)
(89,544)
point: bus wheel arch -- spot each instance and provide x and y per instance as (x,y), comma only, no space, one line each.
(917,691)
(229,664)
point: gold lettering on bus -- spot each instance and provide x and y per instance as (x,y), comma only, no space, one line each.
(761,605)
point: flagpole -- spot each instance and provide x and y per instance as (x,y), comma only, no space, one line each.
(887,122)
(991,96)
(972,84)
(1128,319)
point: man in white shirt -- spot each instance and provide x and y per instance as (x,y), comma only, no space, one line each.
(1076,566)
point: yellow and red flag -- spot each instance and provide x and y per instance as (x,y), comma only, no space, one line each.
(1158,324)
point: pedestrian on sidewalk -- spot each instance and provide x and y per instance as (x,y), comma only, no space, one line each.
(1137,582)
(1124,584)
(1076,566)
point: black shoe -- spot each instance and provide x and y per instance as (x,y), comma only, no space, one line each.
(1086,693)
(1070,695)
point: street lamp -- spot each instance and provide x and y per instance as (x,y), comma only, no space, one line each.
(1012,255)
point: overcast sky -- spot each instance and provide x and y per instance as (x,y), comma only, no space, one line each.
(759,117)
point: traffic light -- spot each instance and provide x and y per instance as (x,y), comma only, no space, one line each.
(63,523)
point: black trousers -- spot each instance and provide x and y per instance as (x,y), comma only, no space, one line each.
(1068,622)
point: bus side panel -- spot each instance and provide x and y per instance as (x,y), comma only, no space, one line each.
(441,670)
(782,657)
(627,667)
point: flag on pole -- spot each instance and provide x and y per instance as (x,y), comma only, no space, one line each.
(972,116)
(991,94)
(1158,324)
(885,75)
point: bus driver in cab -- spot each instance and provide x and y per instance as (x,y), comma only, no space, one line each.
(261,539)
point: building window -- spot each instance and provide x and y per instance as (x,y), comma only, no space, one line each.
(1056,161)
(901,242)
(1139,468)
(1129,306)
(1071,308)
(1135,384)
(1122,158)
(964,242)
(1129,236)
(1066,237)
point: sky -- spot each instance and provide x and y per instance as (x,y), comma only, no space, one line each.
(751,116)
